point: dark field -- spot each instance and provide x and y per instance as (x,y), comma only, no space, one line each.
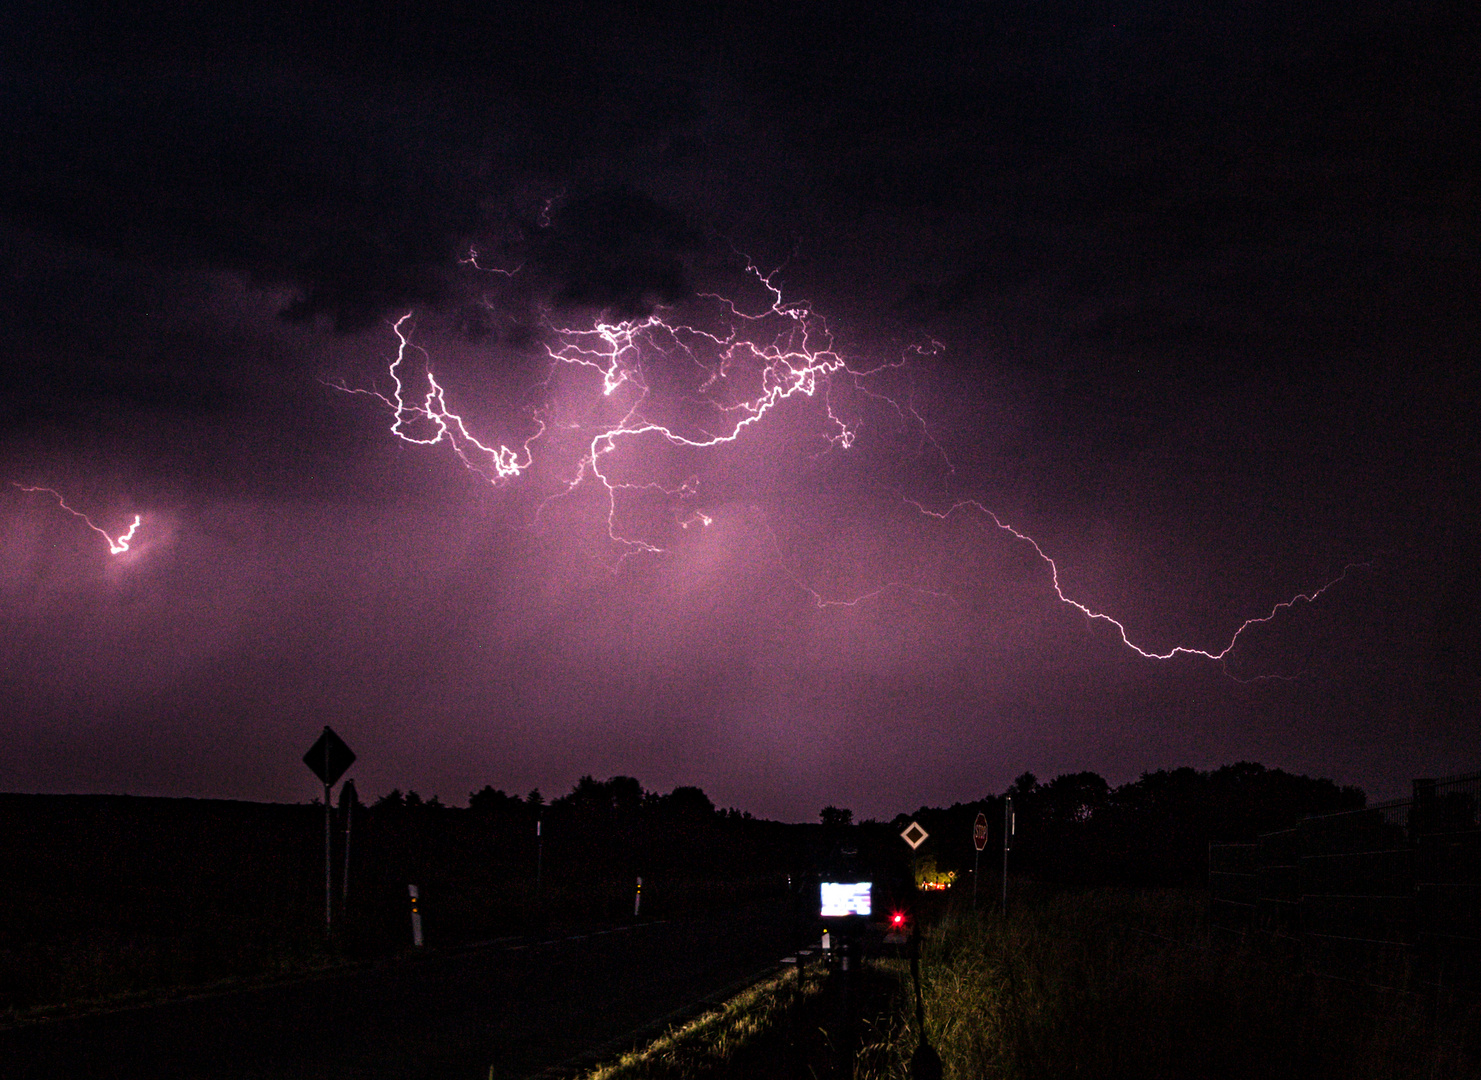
(115,898)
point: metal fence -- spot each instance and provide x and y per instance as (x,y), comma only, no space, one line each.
(1391,892)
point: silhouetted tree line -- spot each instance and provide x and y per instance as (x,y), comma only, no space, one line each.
(505,862)
(1155,830)
(124,891)
(600,827)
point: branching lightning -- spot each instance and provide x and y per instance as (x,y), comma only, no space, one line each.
(116,546)
(730,382)
(698,389)
(446,426)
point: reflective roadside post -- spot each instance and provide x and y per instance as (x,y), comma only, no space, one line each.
(416,917)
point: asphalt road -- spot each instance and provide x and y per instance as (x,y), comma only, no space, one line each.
(516,1007)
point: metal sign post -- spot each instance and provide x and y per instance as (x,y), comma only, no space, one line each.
(328,864)
(347,798)
(979,840)
(328,759)
(1008,823)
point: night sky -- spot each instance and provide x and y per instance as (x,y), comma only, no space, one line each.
(1187,293)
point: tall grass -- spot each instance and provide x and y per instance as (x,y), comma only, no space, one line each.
(1120,983)
(752,1034)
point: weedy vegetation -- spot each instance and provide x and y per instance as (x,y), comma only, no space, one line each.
(772,1021)
(1125,983)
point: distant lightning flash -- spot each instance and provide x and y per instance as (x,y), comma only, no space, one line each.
(718,385)
(115,546)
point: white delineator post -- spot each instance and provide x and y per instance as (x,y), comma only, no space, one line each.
(416,917)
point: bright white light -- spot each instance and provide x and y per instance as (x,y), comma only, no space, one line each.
(845,898)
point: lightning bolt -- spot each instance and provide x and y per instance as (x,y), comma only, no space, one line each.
(115,546)
(440,423)
(731,381)
(1219,656)
(698,388)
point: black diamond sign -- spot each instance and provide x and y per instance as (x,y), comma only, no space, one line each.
(914,835)
(329,757)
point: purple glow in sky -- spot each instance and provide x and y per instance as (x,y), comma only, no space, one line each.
(1184,305)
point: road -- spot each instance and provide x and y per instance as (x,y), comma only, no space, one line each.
(516,1007)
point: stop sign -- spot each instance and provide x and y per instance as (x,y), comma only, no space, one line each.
(979,832)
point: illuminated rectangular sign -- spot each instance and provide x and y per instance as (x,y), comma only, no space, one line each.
(845,898)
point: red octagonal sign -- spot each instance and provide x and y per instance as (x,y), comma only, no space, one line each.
(979,832)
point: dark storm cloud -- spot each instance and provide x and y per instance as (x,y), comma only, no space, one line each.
(620,249)
(1141,176)
(1066,148)
(353,159)
(208,170)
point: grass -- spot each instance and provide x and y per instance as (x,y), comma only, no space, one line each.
(786,1026)
(756,1026)
(1121,983)
(105,971)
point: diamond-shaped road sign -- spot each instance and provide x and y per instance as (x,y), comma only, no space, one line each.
(979,832)
(329,757)
(914,835)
